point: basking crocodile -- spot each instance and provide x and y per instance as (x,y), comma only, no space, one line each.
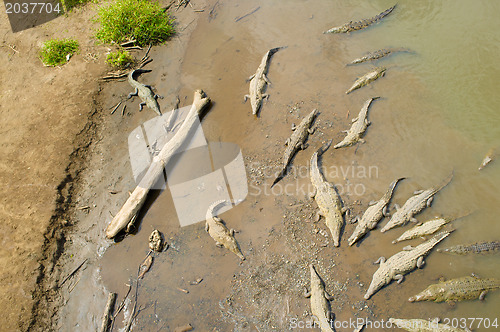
(144,92)
(259,81)
(320,307)
(353,26)
(402,263)
(427,228)
(422,325)
(367,79)
(358,127)
(378,54)
(373,214)
(476,248)
(296,141)
(327,198)
(465,288)
(414,205)
(219,232)
(487,159)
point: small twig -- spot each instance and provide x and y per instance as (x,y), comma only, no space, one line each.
(122,304)
(72,273)
(212,14)
(242,17)
(116,107)
(198,10)
(127,43)
(183,290)
(132,314)
(133,48)
(123,109)
(86,207)
(74,285)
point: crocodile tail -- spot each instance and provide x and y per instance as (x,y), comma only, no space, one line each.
(276,49)
(324,147)
(445,181)
(279,176)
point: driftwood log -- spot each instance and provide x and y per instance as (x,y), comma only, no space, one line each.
(132,206)
(108,313)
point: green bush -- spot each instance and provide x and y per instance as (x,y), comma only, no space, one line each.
(55,51)
(142,20)
(119,59)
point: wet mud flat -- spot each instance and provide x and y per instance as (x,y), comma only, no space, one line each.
(277,231)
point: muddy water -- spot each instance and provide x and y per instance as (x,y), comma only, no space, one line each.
(436,114)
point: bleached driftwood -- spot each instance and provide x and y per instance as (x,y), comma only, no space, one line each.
(134,203)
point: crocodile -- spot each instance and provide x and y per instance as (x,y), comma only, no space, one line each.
(223,236)
(358,128)
(487,159)
(259,81)
(422,325)
(327,197)
(377,55)
(144,92)
(353,26)
(296,141)
(476,248)
(465,288)
(427,228)
(402,263)
(367,79)
(414,205)
(373,214)
(320,305)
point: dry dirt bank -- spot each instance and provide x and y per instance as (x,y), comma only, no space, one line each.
(48,120)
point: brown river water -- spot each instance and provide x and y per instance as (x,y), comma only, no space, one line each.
(438,113)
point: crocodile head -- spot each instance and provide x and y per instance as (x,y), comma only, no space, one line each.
(433,292)
(380,279)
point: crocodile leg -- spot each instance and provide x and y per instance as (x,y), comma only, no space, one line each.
(319,214)
(306,293)
(132,94)
(313,193)
(250,78)
(141,106)
(207,227)
(355,220)
(311,130)
(246,97)
(287,141)
(420,262)
(218,244)
(294,127)
(417,192)
(328,296)
(265,96)
(413,219)
(380,260)
(385,211)
(266,79)
(372,203)
(156,96)
(429,201)
(304,146)
(362,141)
(482,295)
(399,278)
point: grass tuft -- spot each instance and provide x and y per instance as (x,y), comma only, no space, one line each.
(57,52)
(142,20)
(119,59)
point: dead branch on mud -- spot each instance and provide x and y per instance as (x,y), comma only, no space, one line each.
(73,272)
(246,15)
(132,206)
(105,324)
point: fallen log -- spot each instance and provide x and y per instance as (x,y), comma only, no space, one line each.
(132,206)
(105,324)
